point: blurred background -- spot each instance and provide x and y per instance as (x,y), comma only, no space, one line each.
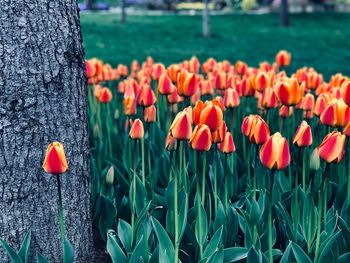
(316,32)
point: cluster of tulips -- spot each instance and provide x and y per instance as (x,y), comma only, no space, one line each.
(220,162)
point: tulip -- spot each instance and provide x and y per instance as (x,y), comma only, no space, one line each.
(90,70)
(201,138)
(136,131)
(256,129)
(308,102)
(303,135)
(150,114)
(218,101)
(173,71)
(170,143)
(227,145)
(165,86)
(245,88)
(129,104)
(332,147)
(55,160)
(181,128)
(345,92)
(346,130)
(336,113)
(96,131)
(186,83)
(321,103)
(314,160)
(212,116)
(285,111)
(241,67)
(231,98)
(158,70)
(110,176)
(104,95)
(262,81)
(283,58)
(219,135)
(269,99)
(274,154)
(221,80)
(146,97)
(196,113)
(289,92)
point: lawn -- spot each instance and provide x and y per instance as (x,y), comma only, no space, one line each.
(318,40)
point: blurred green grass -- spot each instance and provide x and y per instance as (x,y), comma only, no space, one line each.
(317,40)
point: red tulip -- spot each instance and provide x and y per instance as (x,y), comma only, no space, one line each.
(104,95)
(55,160)
(283,58)
(150,114)
(212,116)
(256,129)
(303,135)
(332,147)
(201,138)
(145,96)
(181,128)
(231,98)
(227,146)
(136,131)
(165,86)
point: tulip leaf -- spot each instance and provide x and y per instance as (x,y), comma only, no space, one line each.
(15,258)
(300,255)
(68,253)
(345,258)
(214,243)
(42,259)
(113,248)
(24,250)
(326,247)
(182,216)
(166,248)
(124,234)
(234,254)
(217,257)
(286,255)
(140,251)
(254,256)
(201,227)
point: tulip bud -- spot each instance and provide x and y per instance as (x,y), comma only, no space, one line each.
(201,138)
(314,160)
(181,128)
(321,103)
(96,132)
(90,70)
(170,143)
(346,130)
(227,145)
(110,176)
(212,116)
(336,113)
(303,135)
(332,147)
(150,114)
(104,95)
(174,97)
(241,67)
(186,83)
(116,114)
(136,131)
(274,154)
(283,58)
(55,160)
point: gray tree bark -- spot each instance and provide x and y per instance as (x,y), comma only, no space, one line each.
(90,4)
(206,21)
(42,99)
(284,19)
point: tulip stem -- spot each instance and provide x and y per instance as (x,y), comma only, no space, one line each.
(176,234)
(60,209)
(348,155)
(143,160)
(325,187)
(133,216)
(270,215)
(319,217)
(225,184)
(255,172)
(203,178)
(109,131)
(303,171)
(215,182)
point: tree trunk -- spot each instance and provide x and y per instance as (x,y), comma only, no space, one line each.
(89,4)
(43,99)
(206,20)
(122,14)
(284,20)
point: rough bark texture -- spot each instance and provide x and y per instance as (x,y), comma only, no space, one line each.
(42,99)
(284,19)
(206,17)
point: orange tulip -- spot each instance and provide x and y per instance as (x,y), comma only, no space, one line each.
(55,160)
(173,71)
(201,138)
(345,92)
(174,97)
(308,102)
(218,101)
(104,95)
(256,129)
(146,97)
(241,67)
(245,88)
(196,113)
(221,80)
(135,66)
(262,81)
(206,87)
(231,98)
(285,111)
(346,130)
(212,116)
(170,143)
(227,145)
(186,83)
(274,154)
(129,106)
(321,103)
(265,66)
(219,135)
(136,131)
(303,135)
(269,99)
(165,86)
(150,114)
(336,113)
(283,58)
(289,92)
(332,147)
(181,128)
(158,70)
(90,70)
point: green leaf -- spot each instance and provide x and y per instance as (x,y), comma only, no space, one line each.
(42,259)
(300,255)
(139,251)
(183,216)
(234,254)
(68,253)
(254,256)
(201,227)
(24,250)
(124,234)
(345,258)
(214,243)
(217,257)
(326,247)
(166,247)
(113,248)
(286,254)
(11,252)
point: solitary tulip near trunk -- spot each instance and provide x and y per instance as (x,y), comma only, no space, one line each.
(55,160)
(136,131)
(201,138)
(332,147)
(274,154)
(104,95)
(303,135)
